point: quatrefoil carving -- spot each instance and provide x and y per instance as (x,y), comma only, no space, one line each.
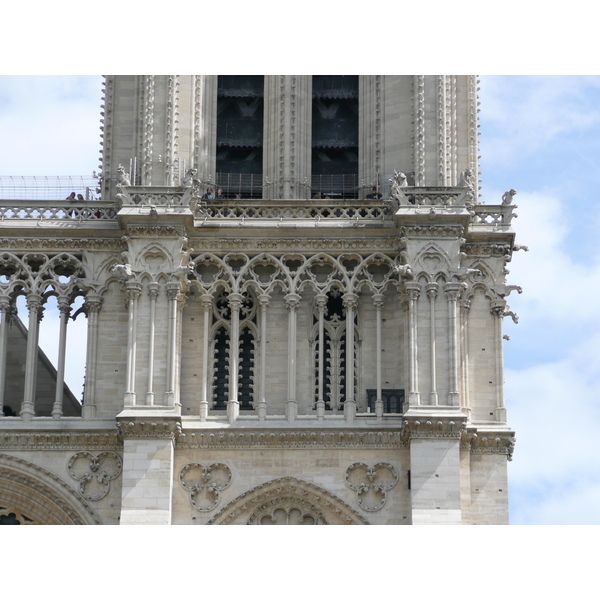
(94,473)
(205,483)
(371,483)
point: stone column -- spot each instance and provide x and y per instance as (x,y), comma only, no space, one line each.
(350,302)
(153,293)
(34,305)
(370,133)
(498,309)
(292,302)
(206,302)
(92,306)
(287,136)
(173,290)
(205,126)
(262,402)
(5,310)
(233,404)
(321,300)
(465,306)
(64,308)
(432,289)
(452,292)
(378,304)
(133,293)
(413,290)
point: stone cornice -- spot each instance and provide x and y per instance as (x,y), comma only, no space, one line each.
(60,440)
(148,426)
(60,244)
(290,439)
(489,442)
(385,244)
(434,426)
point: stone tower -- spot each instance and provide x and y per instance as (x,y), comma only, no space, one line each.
(294,300)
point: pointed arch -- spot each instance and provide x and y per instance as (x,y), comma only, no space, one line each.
(313,503)
(39,495)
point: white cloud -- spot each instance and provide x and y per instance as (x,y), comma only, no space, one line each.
(49,125)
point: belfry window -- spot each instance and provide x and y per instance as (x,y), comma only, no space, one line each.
(222,347)
(239,133)
(335,136)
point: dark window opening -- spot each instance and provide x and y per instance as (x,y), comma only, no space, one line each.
(335,136)
(240,134)
(393,400)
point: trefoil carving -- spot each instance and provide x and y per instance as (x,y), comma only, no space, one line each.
(205,483)
(94,472)
(371,483)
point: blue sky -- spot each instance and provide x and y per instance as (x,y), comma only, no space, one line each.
(539,135)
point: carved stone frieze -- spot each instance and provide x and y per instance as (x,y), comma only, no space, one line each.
(292,439)
(72,244)
(494,442)
(432,231)
(94,472)
(142,428)
(371,483)
(205,483)
(249,245)
(433,427)
(155,231)
(60,440)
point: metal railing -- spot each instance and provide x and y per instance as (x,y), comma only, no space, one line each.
(48,187)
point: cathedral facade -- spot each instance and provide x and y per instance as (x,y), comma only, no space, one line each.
(294,298)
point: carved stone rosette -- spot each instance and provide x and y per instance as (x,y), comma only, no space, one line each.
(205,483)
(371,483)
(94,472)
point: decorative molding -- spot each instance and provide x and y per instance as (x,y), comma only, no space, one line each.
(432,231)
(161,428)
(60,440)
(288,492)
(287,511)
(205,483)
(155,231)
(292,439)
(493,442)
(386,244)
(94,472)
(434,427)
(59,244)
(371,483)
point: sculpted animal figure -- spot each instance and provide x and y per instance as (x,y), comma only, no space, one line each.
(123,178)
(507,197)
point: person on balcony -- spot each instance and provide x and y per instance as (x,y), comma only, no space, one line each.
(208,195)
(374,195)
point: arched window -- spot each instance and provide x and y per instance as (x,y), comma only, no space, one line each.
(221,351)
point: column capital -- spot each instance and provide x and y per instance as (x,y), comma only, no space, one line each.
(292,301)
(264,300)
(235,300)
(452,290)
(133,290)
(350,300)
(153,289)
(206,301)
(432,290)
(378,300)
(413,290)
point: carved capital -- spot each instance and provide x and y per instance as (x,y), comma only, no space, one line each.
(432,290)
(236,301)
(378,301)
(292,302)
(264,300)
(413,290)
(350,300)
(453,291)
(434,427)
(153,289)
(206,301)
(133,290)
